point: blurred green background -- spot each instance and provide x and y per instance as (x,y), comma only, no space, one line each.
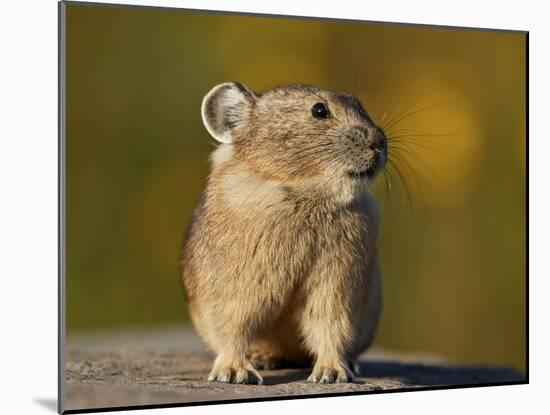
(453,234)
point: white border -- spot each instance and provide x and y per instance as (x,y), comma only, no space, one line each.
(28,185)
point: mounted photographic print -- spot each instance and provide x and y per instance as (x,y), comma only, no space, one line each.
(258,207)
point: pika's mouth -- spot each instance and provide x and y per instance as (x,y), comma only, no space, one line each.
(362,174)
(374,165)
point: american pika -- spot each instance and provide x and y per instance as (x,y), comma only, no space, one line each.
(280,261)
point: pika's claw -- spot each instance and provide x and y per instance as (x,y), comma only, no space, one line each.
(223,375)
(331,375)
(345,377)
(314,377)
(235,375)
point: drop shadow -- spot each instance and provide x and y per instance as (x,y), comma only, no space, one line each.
(290,375)
(413,374)
(437,374)
(48,403)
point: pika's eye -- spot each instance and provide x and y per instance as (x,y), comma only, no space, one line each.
(320,110)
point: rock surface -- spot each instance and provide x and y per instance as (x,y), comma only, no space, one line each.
(170,366)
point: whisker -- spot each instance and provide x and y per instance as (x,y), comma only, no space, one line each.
(392,101)
(404,184)
(425,135)
(410,107)
(405,163)
(405,116)
(417,159)
(354,73)
(403,144)
(387,183)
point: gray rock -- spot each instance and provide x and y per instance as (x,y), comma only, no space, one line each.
(170,366)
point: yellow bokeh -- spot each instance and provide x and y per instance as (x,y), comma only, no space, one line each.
(436,141)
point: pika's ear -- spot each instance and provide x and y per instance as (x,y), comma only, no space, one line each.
(224,108)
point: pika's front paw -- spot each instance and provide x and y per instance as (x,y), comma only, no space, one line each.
(334,374)
(230,374)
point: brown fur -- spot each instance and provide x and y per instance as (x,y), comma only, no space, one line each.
(280,263)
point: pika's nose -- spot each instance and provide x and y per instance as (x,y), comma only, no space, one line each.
(376,139)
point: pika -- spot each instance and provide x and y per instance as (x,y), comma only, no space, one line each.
(280,261)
